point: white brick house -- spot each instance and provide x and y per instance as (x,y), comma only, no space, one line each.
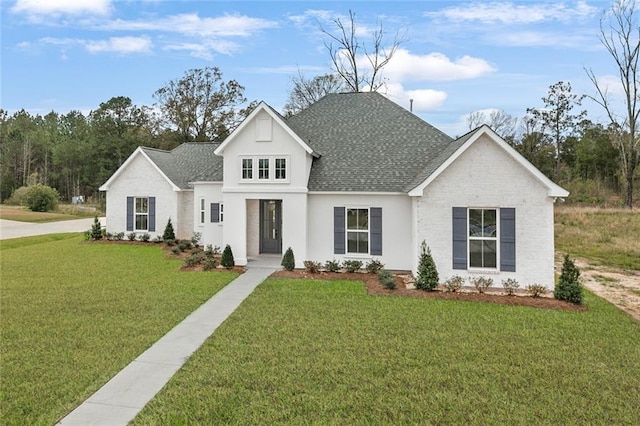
(353,176)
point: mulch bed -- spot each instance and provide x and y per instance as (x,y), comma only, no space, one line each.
(375,288)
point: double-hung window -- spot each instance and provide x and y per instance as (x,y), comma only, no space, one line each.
(358,231)
(247,168)
(141,214)
(281,168)
(483,238)
(263,168)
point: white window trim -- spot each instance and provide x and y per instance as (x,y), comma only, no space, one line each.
(347,253)
(255,167)
(486,269)
(136,214)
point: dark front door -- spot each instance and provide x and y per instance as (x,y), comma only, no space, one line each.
(270,226)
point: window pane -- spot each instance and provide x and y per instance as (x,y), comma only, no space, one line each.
(363,219)
(141,222)
(247,168)
(358,242)
(141,205)
(363,242)
(489,223)
(352,218)
(489,254)
(475,253)
(475,223)
(352,242)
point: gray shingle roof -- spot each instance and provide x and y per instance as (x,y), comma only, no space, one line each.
(368,143)
(188,162)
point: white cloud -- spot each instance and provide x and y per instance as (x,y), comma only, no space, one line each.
(544,38)
(40,9)
(124,45)
(423,99)
(611,85)
(434,66)
(206,49)
(193,25)
(508,13)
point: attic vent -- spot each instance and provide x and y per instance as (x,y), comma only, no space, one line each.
(263,129)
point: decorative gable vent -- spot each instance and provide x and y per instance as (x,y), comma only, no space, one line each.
(264,129)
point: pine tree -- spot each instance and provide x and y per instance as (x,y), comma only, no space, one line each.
(427,278)
(227,258)
(288,260)
(569,287)
(96,229)
(169,235)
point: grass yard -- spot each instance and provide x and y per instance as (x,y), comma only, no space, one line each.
(609,237)
(23,214)
(323,352)
(75,313)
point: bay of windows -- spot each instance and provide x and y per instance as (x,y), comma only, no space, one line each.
(269,169)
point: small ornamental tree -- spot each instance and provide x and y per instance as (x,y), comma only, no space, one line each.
(96,229)
(169,234)
(226,260)
(427,278)
(569,287)
(288,260)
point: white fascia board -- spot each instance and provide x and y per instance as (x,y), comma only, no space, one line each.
(265,190)
(555,190)
(206,182)
(354,193)
(262,106)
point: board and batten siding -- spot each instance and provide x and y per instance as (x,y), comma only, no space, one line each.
(485,176)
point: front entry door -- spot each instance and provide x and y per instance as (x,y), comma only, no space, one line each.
(270,226)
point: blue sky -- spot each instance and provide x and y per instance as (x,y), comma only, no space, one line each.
(458,56)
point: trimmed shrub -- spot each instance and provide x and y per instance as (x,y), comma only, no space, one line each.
(332,265)
(211,250)
(569,287)
(119,236)
(184,244)
(131,236)
(510,286)
(176,250)
(157,239)
(481,283)
(209,263)
(288,260)
(373,266)
(170,243)
(427,278)
(352,265)
(387,279)
(536,290)
(145,237)
(454,283)
(96,229)
(194,258)
(195,238)
(41,198)
(227,258)
(169,234)
(312,267)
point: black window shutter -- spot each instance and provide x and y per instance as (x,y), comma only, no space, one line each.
(375,218)
(215,212)
(459,238)
(508,239)
(338,230)
(129,213)
(152,214)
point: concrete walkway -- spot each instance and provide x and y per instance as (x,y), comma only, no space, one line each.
(120,399)
(14,229)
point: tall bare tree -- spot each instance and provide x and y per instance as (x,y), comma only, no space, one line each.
(307,91)
(620,35)
(345,49)
(500,121)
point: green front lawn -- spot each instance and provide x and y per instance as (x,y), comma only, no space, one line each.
(320,352)
(75,313)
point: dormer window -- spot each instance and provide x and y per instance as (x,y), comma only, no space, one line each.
(272,168)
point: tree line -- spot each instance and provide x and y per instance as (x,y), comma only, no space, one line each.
(75,153)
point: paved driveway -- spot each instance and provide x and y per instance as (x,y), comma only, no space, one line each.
(14,229)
